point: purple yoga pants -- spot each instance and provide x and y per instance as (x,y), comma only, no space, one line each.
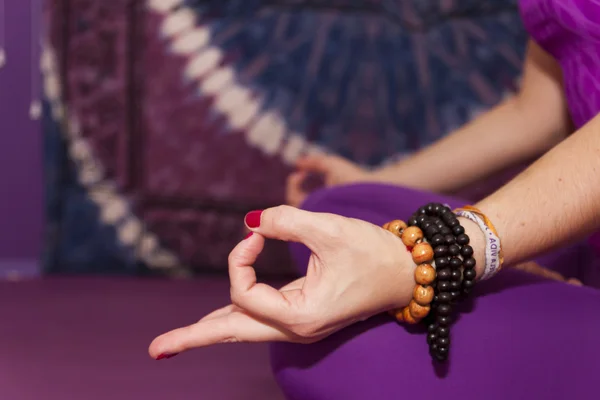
(521,337)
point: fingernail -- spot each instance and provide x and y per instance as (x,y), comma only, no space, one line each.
(252,219)
(165,356)
(248,235)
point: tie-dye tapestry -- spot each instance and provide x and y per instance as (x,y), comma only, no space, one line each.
(167,120)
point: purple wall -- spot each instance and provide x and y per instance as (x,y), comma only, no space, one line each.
(21,202)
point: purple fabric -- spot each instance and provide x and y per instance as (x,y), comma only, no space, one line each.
(519,329)
(71,338)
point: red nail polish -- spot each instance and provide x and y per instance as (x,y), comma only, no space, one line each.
(248,235)
(252,219)
(166,356)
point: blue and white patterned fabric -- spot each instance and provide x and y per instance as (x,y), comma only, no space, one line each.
(157,151)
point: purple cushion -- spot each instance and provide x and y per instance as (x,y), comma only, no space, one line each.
(512,340)
(71,338)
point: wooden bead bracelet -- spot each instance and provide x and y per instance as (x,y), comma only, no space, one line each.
(425,274)
(455,271)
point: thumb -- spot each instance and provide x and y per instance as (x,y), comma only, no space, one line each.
(291,224)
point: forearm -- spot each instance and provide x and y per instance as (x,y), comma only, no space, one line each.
(553,202)
(518,130)
(502,137)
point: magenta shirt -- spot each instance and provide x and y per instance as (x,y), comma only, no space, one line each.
(570,31)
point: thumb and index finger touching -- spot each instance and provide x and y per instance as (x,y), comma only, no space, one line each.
(283,223)
(261,302)
(292,224)
(305,166)
(319,163)
(237,322)
(315,163)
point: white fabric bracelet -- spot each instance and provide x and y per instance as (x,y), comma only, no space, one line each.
(492,244)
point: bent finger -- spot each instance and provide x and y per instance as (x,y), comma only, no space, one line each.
(259,299)
(298,284)
(294,192)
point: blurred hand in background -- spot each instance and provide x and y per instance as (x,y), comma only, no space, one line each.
(333,169)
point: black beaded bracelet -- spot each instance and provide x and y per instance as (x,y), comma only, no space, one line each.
(452,253)
(448,266)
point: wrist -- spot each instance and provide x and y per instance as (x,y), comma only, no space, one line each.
(392,174)
(406,280)
(477,242)
(402,266)
(380,175)
(406,284)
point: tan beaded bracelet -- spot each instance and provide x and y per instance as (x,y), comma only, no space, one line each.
(422,255)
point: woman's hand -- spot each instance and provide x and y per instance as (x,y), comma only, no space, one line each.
(356,270)
(335,171)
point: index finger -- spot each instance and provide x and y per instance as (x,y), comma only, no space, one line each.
(294,192)
(259,299)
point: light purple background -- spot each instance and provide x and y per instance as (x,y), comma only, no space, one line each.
(21,197)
